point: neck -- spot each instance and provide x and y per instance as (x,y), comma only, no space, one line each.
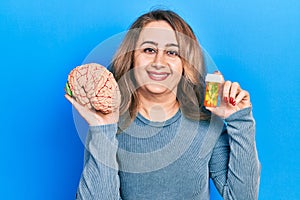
(158,107)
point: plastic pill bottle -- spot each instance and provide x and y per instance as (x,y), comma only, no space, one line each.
(212,92)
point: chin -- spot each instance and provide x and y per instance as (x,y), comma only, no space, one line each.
(156,89)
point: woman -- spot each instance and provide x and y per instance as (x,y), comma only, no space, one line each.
(169,145)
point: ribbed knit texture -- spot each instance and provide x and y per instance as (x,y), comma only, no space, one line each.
(172,160)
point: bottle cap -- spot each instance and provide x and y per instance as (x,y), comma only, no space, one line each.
(213,78)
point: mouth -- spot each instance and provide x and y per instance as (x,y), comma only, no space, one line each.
(158,76)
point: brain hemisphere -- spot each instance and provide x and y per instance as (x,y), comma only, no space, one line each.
(93,86)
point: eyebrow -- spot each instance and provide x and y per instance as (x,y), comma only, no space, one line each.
(155,43)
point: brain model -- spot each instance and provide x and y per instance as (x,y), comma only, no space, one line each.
(93,86)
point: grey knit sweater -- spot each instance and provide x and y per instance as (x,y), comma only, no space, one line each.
(172,160)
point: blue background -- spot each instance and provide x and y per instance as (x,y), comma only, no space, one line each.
(253,42)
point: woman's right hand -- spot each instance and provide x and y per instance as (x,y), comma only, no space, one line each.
(93,117)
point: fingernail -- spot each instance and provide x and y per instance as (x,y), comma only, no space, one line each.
(225,99)
(231,100)
(234,103)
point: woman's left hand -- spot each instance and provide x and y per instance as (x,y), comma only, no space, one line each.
(233,99)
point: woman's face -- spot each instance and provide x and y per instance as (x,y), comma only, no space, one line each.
(157,65)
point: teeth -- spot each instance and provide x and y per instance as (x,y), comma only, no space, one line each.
(159,75)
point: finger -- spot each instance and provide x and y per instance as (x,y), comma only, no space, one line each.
(76,105)
(242,96)
(226,89)
(211,109)
(69,98)
(234,89)
(84,111)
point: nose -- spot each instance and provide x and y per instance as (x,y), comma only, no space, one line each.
(159,59)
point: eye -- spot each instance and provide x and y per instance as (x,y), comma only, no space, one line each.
(149,50)
(173,53)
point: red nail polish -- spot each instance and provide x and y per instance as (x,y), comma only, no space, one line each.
(233,103)
(225,99)
(231,100)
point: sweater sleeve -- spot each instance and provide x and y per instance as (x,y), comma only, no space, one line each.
(99,179)
(234,165)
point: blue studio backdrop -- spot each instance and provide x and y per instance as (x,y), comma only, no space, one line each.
(253,42)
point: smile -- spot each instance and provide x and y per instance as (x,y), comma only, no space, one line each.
(158,76)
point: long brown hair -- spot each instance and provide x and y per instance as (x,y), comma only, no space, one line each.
(191,87)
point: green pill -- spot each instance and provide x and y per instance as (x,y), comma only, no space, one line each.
(68,90)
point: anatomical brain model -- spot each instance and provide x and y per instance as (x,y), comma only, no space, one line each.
(93,86)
